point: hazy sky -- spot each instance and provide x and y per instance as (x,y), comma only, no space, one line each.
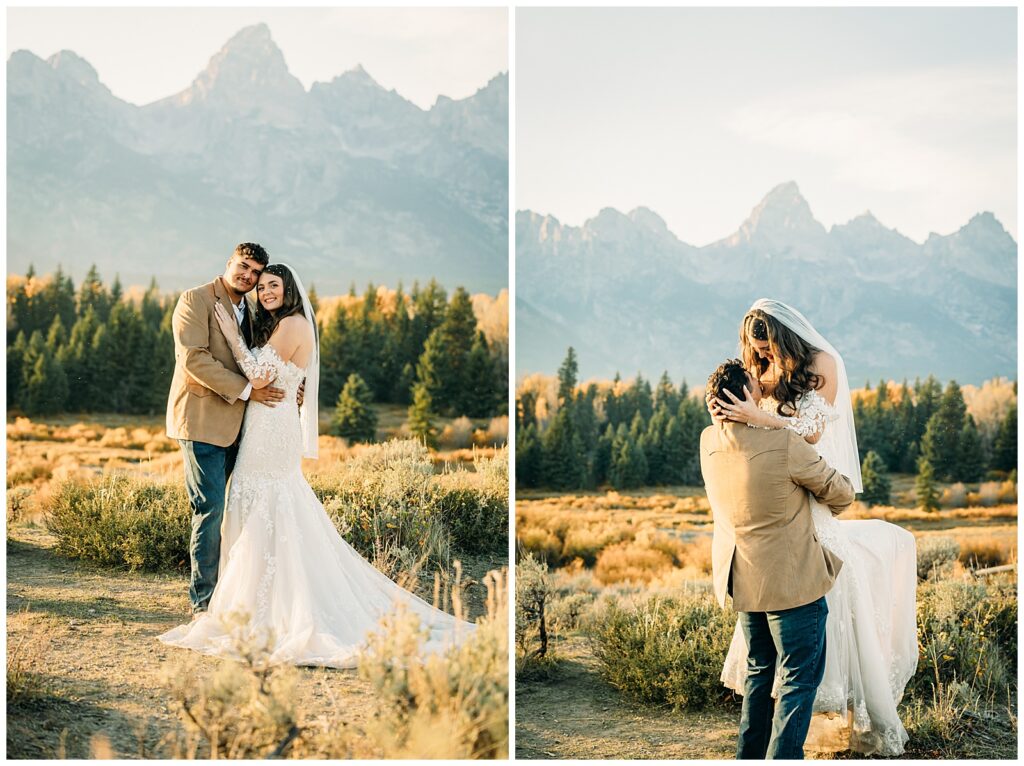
(144,54)
(697,113)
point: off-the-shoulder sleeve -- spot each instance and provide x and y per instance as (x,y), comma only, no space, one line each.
(813,415)
(254,363)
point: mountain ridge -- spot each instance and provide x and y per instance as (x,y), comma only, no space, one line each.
(892,306)
(347,179)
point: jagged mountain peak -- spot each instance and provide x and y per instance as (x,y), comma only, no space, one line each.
(70,64)
(249,66)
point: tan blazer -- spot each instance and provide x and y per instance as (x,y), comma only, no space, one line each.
(203,403)
(765,551)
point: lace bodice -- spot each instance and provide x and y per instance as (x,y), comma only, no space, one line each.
(814,413)
(271,441)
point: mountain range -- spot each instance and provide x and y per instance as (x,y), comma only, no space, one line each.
(630,296)
(348,181)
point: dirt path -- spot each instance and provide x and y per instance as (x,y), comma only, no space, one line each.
(90,634)
(577,715)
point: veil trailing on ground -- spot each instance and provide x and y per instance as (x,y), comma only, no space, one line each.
(840,437)
(310,409)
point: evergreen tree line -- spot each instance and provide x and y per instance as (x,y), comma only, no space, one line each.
(426,341)
(91,350)
(644,437)
(649,437)
(928,423)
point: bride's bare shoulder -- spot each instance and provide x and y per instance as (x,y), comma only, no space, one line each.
(823,364)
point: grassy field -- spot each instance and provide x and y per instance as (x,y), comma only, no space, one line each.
(608,551)
(87,678)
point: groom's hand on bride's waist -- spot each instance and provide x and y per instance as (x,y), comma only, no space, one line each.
(269,395)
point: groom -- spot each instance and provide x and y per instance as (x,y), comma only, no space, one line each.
(206,404)
(766,555)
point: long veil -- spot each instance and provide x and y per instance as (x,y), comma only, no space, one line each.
(310,410)
(839,442)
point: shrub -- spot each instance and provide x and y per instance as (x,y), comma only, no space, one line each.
(966,632)
(990,551)
(541,544)
(954,496)
(667,651)
(473,506)
(458,434)
(935,555)
(122,522)
(17,503)
(241,709)
(569,612)
(629,561)
(533,596)
(452,707)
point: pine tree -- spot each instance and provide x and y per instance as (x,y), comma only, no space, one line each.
(877,487)
(430,370)
(971,465)
(940,443)
(478,392)
(421,416)
(629,464)
(45,387)
(567,375)
(665,394)
(1004,448)
(15,367)
(57,336)
(674,455)
(526,412)
(603,455)
(93,294)
(354,417)
(529,457)
(335,362)
(927,494)
(643,397)
(564,465)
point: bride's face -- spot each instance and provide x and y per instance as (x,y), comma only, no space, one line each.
(762,348)
(270,292)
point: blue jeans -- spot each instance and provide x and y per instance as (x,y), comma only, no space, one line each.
(797,636)
(207,469)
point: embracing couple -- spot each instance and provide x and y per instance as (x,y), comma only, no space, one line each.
(826,638)
(268,565)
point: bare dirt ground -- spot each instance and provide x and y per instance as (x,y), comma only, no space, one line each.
(576,715)
(88,636)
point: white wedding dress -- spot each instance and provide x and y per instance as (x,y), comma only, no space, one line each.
(285,571)
(871,630)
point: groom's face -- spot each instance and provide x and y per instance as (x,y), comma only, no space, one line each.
(242,274)
(754,388)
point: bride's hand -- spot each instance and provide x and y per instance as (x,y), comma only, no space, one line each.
(740,410)
(717,415)
(228,324)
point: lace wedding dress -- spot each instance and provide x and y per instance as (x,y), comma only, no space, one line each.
(286,575)
(871,630)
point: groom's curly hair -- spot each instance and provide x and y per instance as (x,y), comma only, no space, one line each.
(730,375)
(253,251)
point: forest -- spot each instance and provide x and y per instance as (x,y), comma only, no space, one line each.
(96,348)
(630,435)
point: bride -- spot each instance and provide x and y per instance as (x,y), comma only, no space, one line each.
(285,571)
(871,630)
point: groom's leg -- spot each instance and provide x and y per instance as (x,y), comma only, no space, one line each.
(800,635)
(205,478)
(756,717)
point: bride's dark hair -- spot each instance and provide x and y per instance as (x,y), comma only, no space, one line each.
(265,323)
(793,354)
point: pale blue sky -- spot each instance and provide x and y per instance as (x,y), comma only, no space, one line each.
(697,113)
(144,54)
